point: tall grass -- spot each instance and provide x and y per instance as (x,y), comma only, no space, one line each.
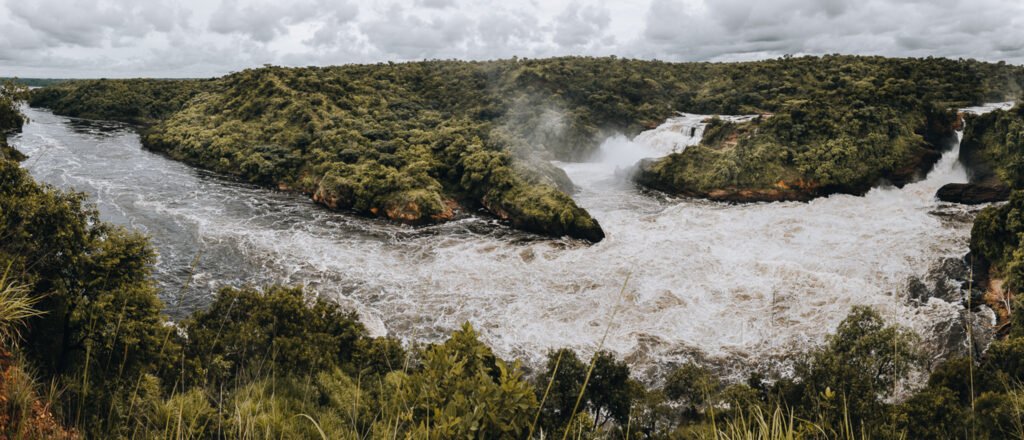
(16,306)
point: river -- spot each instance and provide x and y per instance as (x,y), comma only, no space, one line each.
(744,285)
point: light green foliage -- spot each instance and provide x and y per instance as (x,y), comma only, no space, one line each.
(460,390)
(16,306)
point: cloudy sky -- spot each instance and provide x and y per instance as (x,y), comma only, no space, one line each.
(193,38)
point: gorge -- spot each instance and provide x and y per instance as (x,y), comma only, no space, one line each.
(742,285)
(515,248)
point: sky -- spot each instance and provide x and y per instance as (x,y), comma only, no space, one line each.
(204,38)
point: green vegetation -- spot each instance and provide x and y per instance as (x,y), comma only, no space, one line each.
(996,239)
(35,82)
(87,353)
(992,149)
(11,119)
(414,142)
(836,125)
(993,144)
(136,101)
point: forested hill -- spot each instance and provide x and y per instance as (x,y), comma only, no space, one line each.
(420,142)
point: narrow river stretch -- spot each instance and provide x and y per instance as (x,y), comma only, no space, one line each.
(743,285)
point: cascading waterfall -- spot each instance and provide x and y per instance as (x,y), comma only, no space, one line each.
(745,284)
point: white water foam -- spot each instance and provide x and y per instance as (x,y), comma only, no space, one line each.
(985,108)
(742,283)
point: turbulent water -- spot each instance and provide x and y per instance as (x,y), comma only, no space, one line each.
(741,283)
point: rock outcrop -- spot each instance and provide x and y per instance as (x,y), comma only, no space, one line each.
(973,193)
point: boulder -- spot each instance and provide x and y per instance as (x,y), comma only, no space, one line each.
(973,193)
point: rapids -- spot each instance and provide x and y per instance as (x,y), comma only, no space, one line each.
(745,285)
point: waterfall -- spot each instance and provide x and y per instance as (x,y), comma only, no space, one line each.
(745,284)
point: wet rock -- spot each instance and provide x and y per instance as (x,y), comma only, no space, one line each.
(973,193)
(917,290)
(946,280)
(969,332)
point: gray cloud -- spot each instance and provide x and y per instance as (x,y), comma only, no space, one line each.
(580,25)
(409,36)
(93,23)
(436,4)
(727,29)
(266,20)
(204,37)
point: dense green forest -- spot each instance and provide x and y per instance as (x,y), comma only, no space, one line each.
(34,82)
(993,150)
(421,142)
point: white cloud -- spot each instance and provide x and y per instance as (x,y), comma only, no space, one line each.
(209,37)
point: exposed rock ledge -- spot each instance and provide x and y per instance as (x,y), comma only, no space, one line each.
(973,193)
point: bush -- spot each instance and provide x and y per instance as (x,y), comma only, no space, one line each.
(273,331)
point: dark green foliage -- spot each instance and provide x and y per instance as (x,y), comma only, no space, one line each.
(1006,358)
(998,416)
(933,413)
(956,375)
(691,385)
(996,237)
(609,394)
(855,370)
(996,140)
(274,330)
(102,328)
(11,119)
(11,95)
(993,146)
(35,82)
(566,383)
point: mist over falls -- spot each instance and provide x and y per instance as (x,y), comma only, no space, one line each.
(744,283)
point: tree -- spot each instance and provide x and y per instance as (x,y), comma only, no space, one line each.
(256,332)
(692,385)
(857,368)
(460,390)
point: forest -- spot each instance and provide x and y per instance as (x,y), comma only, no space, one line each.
(85,350)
